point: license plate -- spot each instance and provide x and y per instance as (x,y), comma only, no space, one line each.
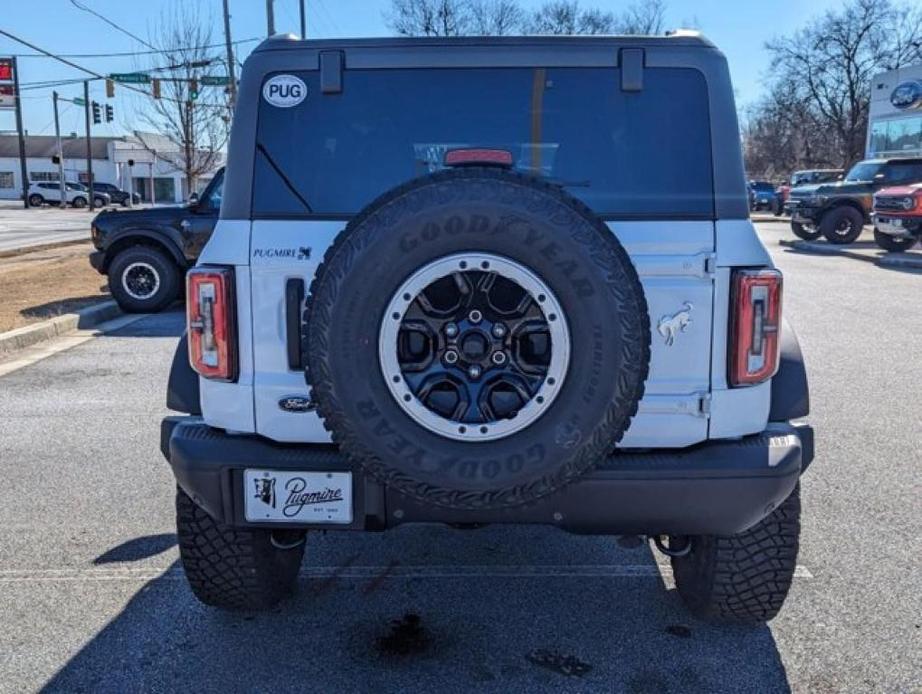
(273,496)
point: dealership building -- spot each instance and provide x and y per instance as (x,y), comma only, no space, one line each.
(143,163)
(895,116)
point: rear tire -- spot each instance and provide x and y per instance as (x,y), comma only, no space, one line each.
(143,279)
(233,568)
(802,232)
(894,244)
(36,200)
(842,225)
(742,578)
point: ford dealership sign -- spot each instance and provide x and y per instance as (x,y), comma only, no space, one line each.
(907,95)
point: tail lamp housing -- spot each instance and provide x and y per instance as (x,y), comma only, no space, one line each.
(211,322)
(755,326)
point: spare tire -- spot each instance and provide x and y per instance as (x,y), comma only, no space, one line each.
(476,339)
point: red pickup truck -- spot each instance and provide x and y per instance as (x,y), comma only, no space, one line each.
(897,217)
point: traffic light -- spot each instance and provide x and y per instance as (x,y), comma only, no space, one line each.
(193,90)
(110,89)
(110,113)
(155,88)
(55,159)
(96,117)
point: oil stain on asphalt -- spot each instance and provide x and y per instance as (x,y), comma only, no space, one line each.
(407,637)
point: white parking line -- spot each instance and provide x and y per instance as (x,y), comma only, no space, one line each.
(367,572)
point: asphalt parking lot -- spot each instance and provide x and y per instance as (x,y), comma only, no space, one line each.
(93,599)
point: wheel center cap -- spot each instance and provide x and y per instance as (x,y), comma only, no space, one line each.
(474,345)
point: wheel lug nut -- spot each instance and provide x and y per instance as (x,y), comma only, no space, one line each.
(474,372)
(499,358)
(499,330)
(451,357)
(451,330)
(475,316)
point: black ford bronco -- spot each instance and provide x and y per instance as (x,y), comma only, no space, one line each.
(474,281)
(145,252)
(839,210)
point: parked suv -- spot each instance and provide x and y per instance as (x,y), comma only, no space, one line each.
(897,217)
(839,210)
(145,253)
(800,178)
(761,195)
(466,306)
(117,195)
(76,194)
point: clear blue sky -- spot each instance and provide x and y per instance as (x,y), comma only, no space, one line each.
(740,29)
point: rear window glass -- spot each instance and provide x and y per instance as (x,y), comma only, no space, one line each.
(644,153)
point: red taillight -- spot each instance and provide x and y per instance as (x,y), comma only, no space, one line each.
(755,324)
(472,156)
(210,317)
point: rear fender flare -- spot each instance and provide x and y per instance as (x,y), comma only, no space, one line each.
(790,394)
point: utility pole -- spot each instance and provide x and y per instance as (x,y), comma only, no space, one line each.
(60,148)
(22,138)
(303,20)
(270,17)
(89,144)
(232,85)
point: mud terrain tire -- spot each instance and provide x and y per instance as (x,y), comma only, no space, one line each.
(234,568)
(742,578)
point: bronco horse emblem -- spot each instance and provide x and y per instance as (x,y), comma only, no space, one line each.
(670,326)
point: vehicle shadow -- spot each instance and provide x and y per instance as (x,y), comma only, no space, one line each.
(137,549)
(52,309)
(429,608)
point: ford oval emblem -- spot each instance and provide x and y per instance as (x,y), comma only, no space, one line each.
(296,403)
(907,95)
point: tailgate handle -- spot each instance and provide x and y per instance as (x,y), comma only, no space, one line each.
(294,303)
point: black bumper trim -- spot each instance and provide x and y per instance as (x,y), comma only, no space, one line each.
(98,261)
(719,487)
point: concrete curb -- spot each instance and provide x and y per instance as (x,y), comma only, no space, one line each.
(901,260)
(763,218)
(28,335)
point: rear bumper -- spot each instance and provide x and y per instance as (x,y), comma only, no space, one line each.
(720,487)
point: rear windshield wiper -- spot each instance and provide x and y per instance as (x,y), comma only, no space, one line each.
(281,174)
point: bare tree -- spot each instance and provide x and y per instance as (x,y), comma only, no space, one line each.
(644,18)
(495,17)
(565,17)
(829,63)
(430,17)
(194,123)
(503,17)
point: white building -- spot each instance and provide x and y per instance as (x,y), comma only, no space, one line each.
(895,116)
(110,156)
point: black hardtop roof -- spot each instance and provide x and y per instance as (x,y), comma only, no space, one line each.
(683,38)
(632,54)
(889,160)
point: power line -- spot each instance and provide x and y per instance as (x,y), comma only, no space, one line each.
(81,6)
(69,63)
(129,54)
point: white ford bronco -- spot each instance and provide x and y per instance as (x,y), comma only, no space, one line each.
(474,281)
